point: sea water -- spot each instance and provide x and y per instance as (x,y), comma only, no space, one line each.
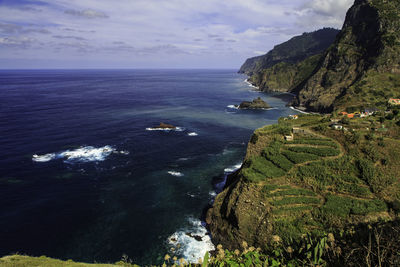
(85,174)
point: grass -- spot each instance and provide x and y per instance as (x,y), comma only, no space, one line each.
(27,261)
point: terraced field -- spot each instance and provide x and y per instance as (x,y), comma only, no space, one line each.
(280,157)
(287,200)
(310,177)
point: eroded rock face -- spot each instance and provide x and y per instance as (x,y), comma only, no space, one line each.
(257,103)
(238,215)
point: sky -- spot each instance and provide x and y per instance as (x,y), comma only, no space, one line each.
(48,34)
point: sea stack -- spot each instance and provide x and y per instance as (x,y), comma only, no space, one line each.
(165,126)
(257,103)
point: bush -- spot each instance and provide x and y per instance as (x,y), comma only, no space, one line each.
(319,151)
(316,142)
(296,200)
(343,206)
(298,158)
(292,192)
(259,168)
(278,159)
(367,170)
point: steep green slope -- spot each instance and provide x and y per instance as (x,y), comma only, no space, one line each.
(284,77)
(293,51)
(322,181)
(362,67)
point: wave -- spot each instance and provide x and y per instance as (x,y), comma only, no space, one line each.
(175,173)
(193,134)
(192,242)
(82,154)
(233,106)
(177,129)
(44,158)
(298,110)
(250,84)
(233,168)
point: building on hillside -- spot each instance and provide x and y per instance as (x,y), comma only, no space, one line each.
(394,101)
(336,126)
(293,117)
(350,115)
(289,137)
(343,113)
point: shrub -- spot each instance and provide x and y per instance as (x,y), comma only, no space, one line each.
(316,142)
(296,200)
(298,158)
(278,159)
(343,206)
(319,151)
(367,170)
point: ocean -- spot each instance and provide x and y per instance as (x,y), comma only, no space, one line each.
(85,174)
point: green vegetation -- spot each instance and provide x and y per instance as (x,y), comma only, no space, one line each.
(293,51)
(297,158)
(26,261)
(314,141)
(345,206)
(319,151)
(295,200)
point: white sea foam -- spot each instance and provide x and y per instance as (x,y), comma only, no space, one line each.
(193,242)
(298,110)
(44,158)
(233,106)
(177,129)
(251,85)
(193,134)
(82,154)
(175,173)
(233,168)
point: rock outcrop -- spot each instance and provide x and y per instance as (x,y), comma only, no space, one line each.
(257,103)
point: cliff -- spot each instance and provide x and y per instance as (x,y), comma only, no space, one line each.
(302,177)
(293,51)
(362,67)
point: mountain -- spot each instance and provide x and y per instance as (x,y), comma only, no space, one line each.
(362,67)
(305,177)
(293,51)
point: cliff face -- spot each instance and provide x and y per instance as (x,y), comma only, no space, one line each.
(285,77)
(293,51)
(364,56)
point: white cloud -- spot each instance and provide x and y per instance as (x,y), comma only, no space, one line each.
(186,32)
(87,13)
(330,12)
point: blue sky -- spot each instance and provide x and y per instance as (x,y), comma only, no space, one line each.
(154,33)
